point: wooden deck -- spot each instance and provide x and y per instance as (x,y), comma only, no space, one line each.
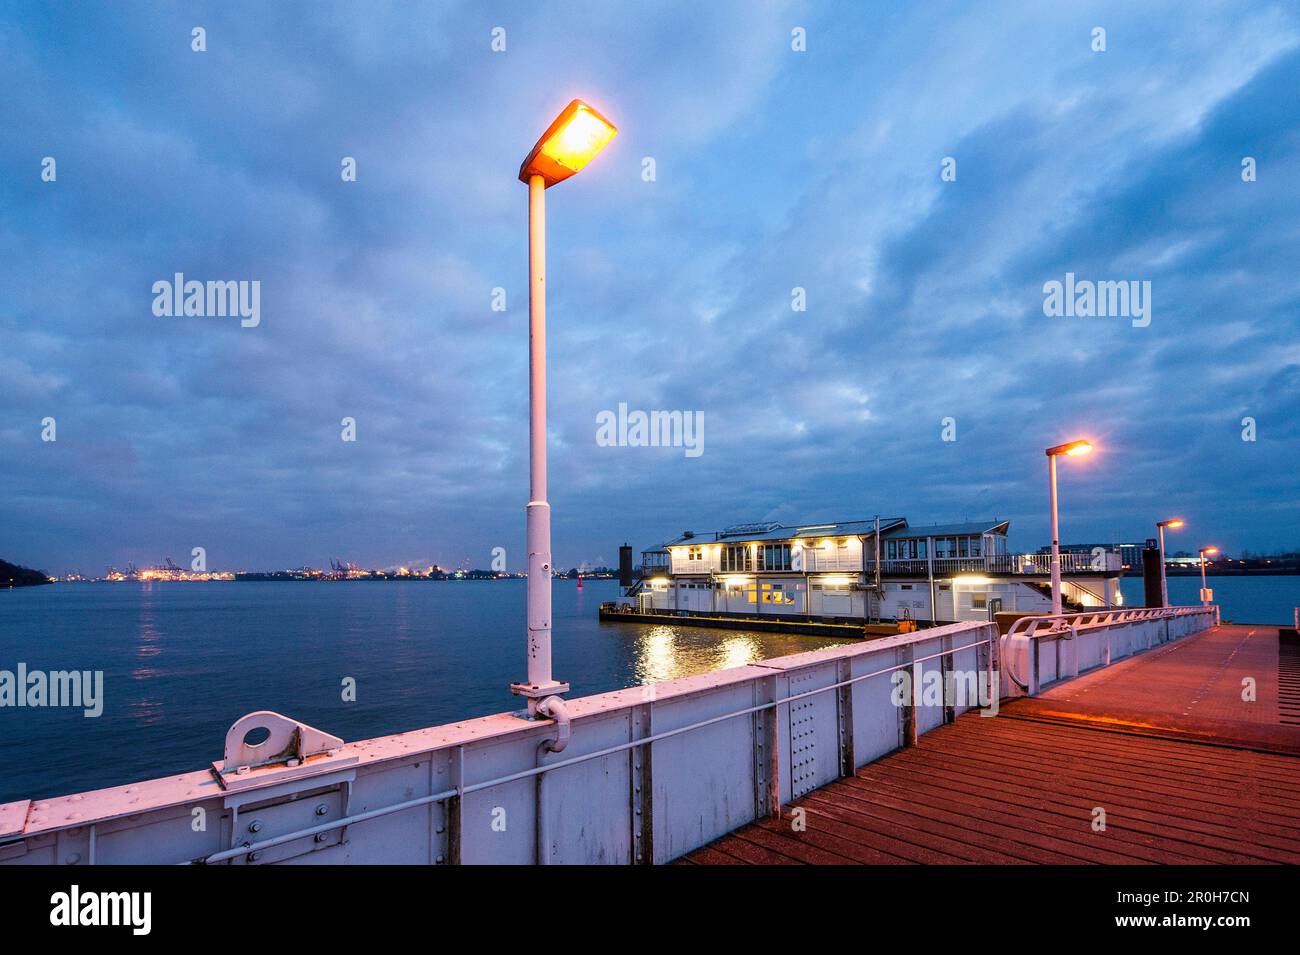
(1176,785)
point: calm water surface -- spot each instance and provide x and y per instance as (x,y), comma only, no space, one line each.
(1270,600)
(182,661)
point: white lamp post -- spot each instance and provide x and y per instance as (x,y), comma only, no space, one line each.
(1073,449)
(1174,523)
(568,144)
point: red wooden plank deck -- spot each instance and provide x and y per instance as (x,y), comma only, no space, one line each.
(1023,787)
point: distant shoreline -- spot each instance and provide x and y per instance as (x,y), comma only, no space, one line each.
(271,578)
(1247,572)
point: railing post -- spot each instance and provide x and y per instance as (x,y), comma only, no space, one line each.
(949,704)
(844,709)
(984,664)
(767,751)
(642,786)
(907,715)
(454,817)
(1031,678)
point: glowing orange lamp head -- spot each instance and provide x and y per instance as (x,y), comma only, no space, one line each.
(1209,550)
(578,134)
(1173,523)
(1072,448)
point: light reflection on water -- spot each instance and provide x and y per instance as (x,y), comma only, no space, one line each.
(666,652)
(182,661)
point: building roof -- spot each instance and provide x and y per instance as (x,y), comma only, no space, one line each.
(966,528)
(744,533)
(894,527)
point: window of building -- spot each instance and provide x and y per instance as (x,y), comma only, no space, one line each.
(979,601)
(737,558)
(775,557)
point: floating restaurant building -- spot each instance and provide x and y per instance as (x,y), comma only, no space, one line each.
(866,571)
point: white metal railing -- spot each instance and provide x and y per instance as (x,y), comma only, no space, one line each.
(816,560)
(1033,564)
(1033,632)
(539,771)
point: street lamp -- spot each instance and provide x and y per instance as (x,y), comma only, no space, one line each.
(1173,523)
(568,144)
(1205,587)
(1072,449)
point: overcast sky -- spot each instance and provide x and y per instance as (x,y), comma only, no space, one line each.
(774,169)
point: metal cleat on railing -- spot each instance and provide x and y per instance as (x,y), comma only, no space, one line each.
(289,750)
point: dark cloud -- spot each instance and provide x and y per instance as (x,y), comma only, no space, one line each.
(774,170)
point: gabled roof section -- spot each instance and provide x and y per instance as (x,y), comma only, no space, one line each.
(747,533)
(966,528)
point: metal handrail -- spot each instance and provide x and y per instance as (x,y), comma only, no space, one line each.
(1087,619)
(1066,626)
(249,848)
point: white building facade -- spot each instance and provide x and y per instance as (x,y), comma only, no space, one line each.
(880,569)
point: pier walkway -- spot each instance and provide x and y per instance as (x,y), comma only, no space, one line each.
(1169,745)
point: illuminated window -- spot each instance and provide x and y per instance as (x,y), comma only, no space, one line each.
(737,558)
(775,557)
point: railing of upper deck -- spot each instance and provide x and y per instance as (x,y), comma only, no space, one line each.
(1029,564)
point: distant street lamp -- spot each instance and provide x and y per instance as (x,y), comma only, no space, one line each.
(1073,449)
(1205,587)
(568,144)
(1173,523)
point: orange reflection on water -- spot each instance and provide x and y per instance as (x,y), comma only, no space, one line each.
(666,652)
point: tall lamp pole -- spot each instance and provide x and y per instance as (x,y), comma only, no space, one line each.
(1174,523)
(568,144)
(1073,449)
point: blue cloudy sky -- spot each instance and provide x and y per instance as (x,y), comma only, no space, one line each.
(775,169)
